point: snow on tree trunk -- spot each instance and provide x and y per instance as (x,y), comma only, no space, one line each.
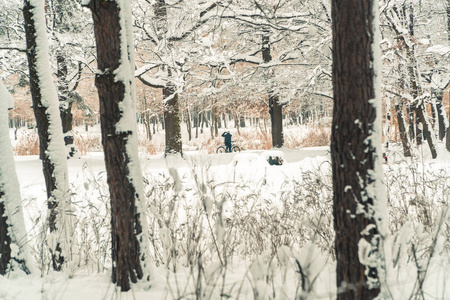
(359,196)
(48,122)
(14,251)
(65,105)
(115,85)
(172,121)
(170,94)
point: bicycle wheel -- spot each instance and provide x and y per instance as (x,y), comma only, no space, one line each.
(235,149)
(221,149)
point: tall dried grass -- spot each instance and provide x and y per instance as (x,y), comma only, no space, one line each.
(27,144)
(87,144)
(316,137)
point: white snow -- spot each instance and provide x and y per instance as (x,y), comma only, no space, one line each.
(251,173)
(438,49)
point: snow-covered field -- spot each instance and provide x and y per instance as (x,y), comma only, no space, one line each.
(233,226)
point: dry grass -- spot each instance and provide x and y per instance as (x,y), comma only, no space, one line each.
(87,144)
(150,147)
(316,137)
(248,139)
(27,144)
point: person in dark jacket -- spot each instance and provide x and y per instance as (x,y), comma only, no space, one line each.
(227,141)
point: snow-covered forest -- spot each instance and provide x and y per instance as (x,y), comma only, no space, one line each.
(118,179)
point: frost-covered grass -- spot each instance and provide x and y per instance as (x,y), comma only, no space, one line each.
(232,226)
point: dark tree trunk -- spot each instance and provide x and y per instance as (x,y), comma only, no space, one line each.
(448,19)
(128,260)
(65,106)
(353,153)
(44,121)
(275,108)
(402,129)
(172,121)
(276,116)
(236,123)
(427,130)
(447,139)
(388,125)
(5,239)
(411,122)
(224,117)
(188,124)
(413,82)
(203,121)
(242,121)
(440,116)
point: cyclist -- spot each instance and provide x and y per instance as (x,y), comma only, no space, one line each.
(227,141)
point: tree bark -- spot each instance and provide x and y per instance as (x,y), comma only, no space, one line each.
(275,108)
(65,105)
(440,116)
(402,129)
(429,135)
(276,116)
(128,223)
(172,121)
(170,97)
(48,122)
(188,123)
(5,239)
(447,139)
(354,154)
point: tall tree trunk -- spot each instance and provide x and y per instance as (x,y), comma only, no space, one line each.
(276,116)
(275,108)
(411,52)
(224,117)
(388,124)
(427,128)
(402,128)
(440,116)
(170,96)
(115,85)
(188,123)
(447,139)
(236,123)
(203,121)
(172,121)
(14,250)
(355,148)
(65,105)
(48,122)
(448,19)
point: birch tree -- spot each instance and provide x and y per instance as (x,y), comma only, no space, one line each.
(51,142)
(14,251)
(116,91)
(355,149)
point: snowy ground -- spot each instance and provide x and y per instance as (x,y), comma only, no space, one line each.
(246,275)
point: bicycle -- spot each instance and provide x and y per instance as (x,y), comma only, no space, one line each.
(234,148)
